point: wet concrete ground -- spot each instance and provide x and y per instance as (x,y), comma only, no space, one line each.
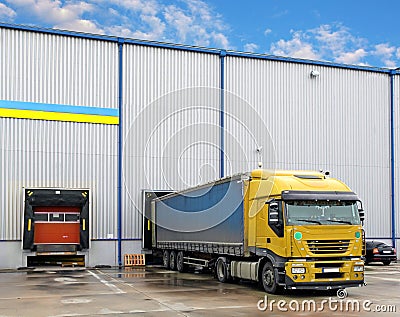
(154,291)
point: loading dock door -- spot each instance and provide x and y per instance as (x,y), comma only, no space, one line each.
(56,217)
(57,225)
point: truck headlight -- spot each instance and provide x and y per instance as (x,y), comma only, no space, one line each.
(298,270)
(358,269)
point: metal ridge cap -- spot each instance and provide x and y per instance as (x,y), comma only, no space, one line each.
(307,61)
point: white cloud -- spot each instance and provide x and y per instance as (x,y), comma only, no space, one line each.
(64,16)
(202,10)
(146,7)
(80,25)
(191,22)
(332,42)
(398,53)
(220,40)
(251,47)
(156,28)
(181,21)
(120,30)
(351,57)
(296,47)
(53,11)
(332,39)
(196,22)
(6,13)
(267,31)
(386,53)
(384,50)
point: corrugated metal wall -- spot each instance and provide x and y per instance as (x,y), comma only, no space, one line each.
(170,122)
(396,99)
(43,68)
(338,121)
(39,67)
(62,155)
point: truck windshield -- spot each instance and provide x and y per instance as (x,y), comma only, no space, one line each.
(322,213)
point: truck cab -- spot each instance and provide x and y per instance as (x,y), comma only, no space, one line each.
(306,230)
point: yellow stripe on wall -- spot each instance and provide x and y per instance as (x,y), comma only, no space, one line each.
(57,116)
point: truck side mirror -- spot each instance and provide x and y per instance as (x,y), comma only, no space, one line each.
(362,214)
(273,214)
(275,217)
(361,211)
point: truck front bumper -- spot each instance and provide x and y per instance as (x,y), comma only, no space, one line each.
(324,274)
(290,284)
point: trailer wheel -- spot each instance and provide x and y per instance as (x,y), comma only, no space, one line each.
(166,259)
(180,266)
(172,260)
(269,278)
(221,271)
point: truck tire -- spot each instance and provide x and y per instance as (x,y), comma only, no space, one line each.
(166,259)
(180,266)
(268,278)
(172,260)
(221,270)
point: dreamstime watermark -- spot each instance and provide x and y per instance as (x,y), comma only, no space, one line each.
(339,304)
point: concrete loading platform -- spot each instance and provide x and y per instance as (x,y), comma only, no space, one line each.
(153,291)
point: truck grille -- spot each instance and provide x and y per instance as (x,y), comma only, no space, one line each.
(328,246)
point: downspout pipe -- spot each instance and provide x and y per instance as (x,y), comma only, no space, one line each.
(392,157)
(222,55)
(120,139)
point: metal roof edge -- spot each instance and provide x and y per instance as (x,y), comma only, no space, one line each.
(109,38)
(308,62)
(189,48)
(36,29)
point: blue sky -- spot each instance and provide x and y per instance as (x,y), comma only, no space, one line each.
(350,32)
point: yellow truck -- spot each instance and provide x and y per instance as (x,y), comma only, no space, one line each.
(284,229)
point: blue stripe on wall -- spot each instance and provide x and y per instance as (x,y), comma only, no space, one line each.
(48,107)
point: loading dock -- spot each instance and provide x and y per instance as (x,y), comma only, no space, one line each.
(56,226)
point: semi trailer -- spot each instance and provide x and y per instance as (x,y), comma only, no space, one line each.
(284,229)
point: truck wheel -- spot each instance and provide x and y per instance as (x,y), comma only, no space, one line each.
(269,278)
(180,266)
(221,271)
(172,260)
(166,259)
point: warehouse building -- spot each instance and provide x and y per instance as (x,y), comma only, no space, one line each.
(91,126)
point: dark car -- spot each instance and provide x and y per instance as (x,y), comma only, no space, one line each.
(378,251)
